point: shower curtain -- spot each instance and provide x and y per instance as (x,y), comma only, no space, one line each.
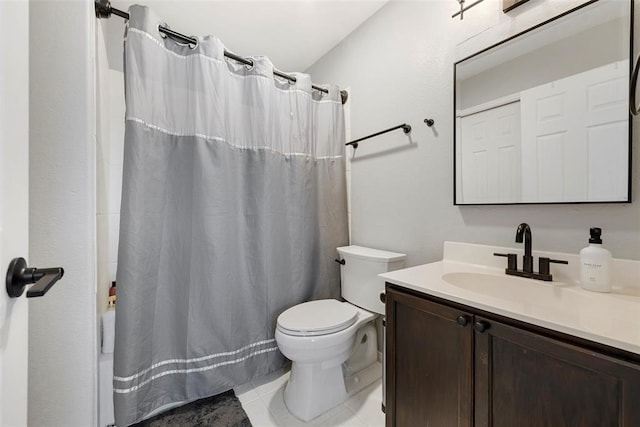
(234,201)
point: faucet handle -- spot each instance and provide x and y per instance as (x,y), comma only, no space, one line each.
(543,266)
(512,260)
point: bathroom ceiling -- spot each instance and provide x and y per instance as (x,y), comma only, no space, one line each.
(293,34)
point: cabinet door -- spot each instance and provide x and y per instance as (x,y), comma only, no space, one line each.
(429,363)
(523,379)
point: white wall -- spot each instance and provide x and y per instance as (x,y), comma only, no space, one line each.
(62,324)
(399,66)
(110,162)
(103,124)
(116,159)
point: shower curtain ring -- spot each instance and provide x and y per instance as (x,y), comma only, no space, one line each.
(163,24)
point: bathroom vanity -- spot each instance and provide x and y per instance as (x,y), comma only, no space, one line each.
(467,345)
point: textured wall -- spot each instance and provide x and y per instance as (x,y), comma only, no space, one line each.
(62,218)
(399,66)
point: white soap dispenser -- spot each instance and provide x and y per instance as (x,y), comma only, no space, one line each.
(595,264)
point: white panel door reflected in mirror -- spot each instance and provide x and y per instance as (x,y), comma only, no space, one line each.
(542,117)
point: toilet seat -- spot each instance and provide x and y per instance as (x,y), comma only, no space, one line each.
(319,317)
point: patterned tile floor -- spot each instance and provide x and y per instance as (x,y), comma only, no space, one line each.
(262,400)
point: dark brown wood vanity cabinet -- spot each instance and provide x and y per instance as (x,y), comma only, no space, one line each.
(452,365)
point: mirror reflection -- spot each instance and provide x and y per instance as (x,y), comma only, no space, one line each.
(543,117)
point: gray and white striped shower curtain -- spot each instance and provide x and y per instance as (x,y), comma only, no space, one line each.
(233,203)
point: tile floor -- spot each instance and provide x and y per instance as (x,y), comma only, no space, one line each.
(262,400)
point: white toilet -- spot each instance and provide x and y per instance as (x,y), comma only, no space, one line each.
(328,340)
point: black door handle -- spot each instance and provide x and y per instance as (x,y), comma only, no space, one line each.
(19,276)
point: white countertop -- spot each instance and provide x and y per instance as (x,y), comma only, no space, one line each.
(562,305)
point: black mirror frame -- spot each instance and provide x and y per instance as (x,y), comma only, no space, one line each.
(633,73)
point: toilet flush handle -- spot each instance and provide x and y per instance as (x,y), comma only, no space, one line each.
(340,261)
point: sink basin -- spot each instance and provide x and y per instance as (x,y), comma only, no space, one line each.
(505,287)
(488,282)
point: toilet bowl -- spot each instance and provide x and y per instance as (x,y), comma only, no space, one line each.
(328,340)
(316,383)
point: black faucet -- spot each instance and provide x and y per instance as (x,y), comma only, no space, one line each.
(523,234)
(527,260)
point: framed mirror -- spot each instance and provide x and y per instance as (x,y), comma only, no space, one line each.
(543,116)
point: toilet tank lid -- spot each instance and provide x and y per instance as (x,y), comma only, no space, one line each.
(370,254)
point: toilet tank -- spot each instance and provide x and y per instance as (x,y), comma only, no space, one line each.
(361,285)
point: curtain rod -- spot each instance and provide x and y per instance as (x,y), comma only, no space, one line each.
(104,10)
(464,8)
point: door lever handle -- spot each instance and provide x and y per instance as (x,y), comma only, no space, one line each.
(19,276)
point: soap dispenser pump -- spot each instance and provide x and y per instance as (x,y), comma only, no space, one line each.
(595,264)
